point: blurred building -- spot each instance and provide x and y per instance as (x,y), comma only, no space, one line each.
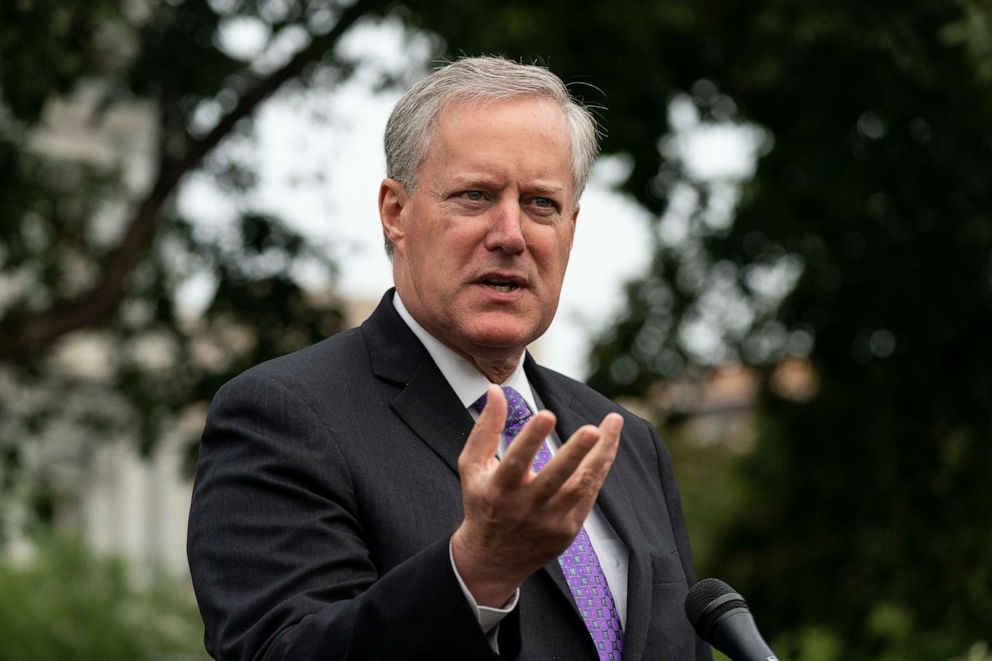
(717,407)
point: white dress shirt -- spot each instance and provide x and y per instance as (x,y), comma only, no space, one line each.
(469,385)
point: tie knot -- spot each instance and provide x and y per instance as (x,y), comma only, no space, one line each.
(517,410)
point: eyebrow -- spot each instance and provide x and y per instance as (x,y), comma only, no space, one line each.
(549,189)
(483,181)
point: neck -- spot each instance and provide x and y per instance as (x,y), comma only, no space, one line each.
(496,364)
(497,370)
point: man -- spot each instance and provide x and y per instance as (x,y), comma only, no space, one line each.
(376,496)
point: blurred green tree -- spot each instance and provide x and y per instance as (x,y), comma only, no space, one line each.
(67,604)
(860,251)
(93,251)
(861,248)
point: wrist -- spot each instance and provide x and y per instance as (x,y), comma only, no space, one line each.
(490,586)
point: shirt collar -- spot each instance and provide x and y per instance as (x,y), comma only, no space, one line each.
(468,383)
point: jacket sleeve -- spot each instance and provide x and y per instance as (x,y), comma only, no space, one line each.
(276,550)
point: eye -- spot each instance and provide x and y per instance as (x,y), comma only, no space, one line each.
(470,200)
(545,206)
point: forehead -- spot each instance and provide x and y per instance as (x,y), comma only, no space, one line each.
(530,132)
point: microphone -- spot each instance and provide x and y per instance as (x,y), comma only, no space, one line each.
(721,617)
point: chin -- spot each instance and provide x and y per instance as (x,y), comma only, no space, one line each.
(504,336)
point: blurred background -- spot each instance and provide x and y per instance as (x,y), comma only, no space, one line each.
(784,259)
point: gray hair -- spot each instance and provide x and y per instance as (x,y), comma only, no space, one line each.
(413,121)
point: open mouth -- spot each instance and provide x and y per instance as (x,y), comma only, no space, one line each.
(502,286)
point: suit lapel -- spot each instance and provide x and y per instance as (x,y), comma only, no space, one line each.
(434,413)
(426,402)
(616,507)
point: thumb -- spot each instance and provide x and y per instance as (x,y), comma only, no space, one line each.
(483,440)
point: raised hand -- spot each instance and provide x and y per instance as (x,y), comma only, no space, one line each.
(517,521)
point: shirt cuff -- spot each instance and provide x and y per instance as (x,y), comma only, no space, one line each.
(489,618)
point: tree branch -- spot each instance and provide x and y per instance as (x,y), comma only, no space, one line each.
(32,332)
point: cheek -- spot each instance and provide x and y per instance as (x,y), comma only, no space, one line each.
(552,256)
(445,257)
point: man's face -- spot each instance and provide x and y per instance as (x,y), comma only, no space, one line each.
(482,240)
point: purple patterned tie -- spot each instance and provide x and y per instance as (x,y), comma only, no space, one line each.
(579,562)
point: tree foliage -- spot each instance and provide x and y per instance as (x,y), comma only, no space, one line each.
(93,250)
(861,247)
(67,604)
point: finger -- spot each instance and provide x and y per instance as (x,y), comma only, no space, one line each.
(565,462)
(579,491)
(519,457)
(483,440)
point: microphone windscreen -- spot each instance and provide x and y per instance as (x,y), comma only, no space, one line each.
(699,604)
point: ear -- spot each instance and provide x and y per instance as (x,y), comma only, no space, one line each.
(392,199)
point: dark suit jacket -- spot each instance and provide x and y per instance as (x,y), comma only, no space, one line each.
(327,490)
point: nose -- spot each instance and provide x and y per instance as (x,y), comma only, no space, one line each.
(506,228)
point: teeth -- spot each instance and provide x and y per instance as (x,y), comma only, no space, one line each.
(502,287)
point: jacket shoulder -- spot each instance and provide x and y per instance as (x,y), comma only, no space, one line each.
(335,359)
